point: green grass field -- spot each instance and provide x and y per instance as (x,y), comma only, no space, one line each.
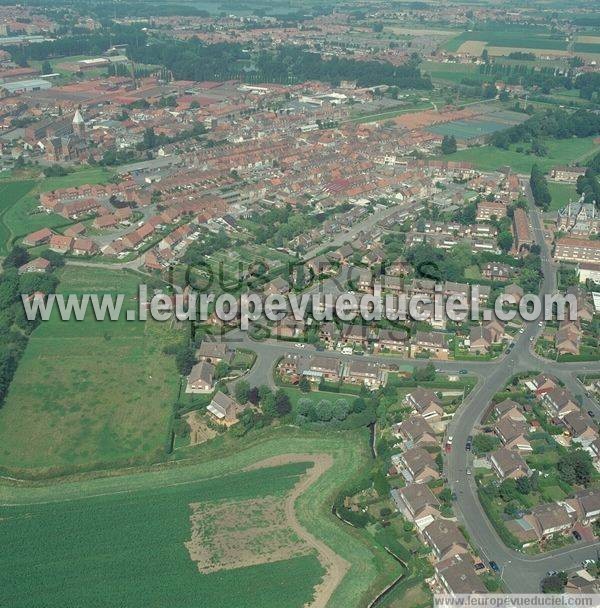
(10,194)
(20,216)
(453,72)
(561,193)
(560,152)
(118,540)
(87,392)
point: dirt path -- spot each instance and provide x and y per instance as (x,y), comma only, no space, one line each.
(334,565)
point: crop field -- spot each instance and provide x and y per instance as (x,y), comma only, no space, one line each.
(89,392)
(480,126)
(560,152)
(453,72)
(91,538)
(511,38)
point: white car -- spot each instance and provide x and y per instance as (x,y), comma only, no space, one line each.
(522,330)
(541,324)
(300,345)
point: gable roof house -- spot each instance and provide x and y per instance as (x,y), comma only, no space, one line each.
(508,464)
(201,378)
(581,427)
(445,539)
(419,466)
(587,505)
(433,342)
(417,503)
(513,433)
(415,431)
(544,384)
(550,518)
(558,402)
(224,409)
(480,339)
(509,409)
(457,576)
(213,352)
(425,402)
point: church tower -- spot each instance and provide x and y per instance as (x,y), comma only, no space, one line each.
(79,124)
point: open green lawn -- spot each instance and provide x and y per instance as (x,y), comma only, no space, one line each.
(10,194)
(560,152)
(89,392)
(21,216)
(561,193)
(118,540)
(453,72)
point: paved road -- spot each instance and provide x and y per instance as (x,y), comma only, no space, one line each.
(521,573)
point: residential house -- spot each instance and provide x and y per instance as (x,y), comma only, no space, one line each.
(415,431)
(356,335)
(587,505)
(419,466)
(513,433)
(514,290)
(431,342)
(480,340)
(365,372)
(324,367)
(224,409)
(509,409)
(60,243)
(84,247)
(445,539)
(508,464)
(544,384)
(277,286)
(550,518)
(201,378)
(426,403)
(394,340)
(456,576)
(559,402)
(40,265)
(39,237)
(581,427)
(567,340)
(213,352)
(417,503)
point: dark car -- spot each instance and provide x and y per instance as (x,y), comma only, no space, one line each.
(576,535)
(591,413)
(468,445)
(463,371)
(494,566)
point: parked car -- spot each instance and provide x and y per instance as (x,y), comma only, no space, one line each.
(576,535)
(494,566)
(463,371)
(479,566)
(591,413)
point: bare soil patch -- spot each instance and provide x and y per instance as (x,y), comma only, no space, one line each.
(199,430)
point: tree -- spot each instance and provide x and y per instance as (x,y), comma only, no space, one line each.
(554,583)
(304,384)
(523,485)
(575,467)
(505,240)
(242,390)
(16,257)
(424,374)
(185,359)
(448,144)
(539,188)
(482,444)
(46,68)
(283,404)
(221,370)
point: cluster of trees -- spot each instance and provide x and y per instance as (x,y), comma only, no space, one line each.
(539,188)
(589,186)
(448,144)
(546,78)
(278,226)
(588,85)
(291,63)
(575,467)
(424,373)
(555,123)
(210,243)
(15,328)
(328,410)
(151,140)
(272,405)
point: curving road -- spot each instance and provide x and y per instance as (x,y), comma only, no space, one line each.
(521,573)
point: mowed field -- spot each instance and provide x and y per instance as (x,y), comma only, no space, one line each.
(10,194)
(19,200)
(87,392)
(120,541)
(560,152)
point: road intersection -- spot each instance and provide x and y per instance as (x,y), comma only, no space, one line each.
(520,573)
